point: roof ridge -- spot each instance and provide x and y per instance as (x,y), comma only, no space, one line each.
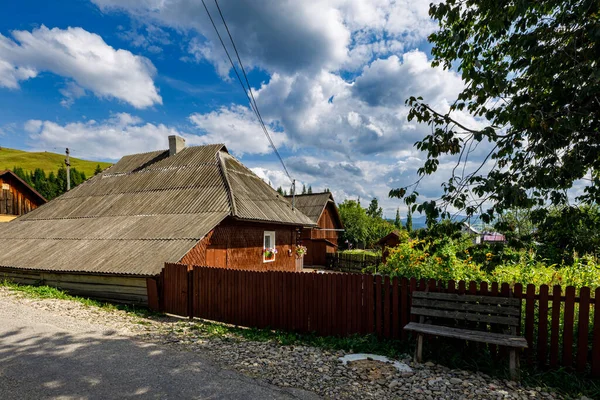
(230,195)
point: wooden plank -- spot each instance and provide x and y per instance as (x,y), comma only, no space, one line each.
(387,307)
(96,279)
(378,307)
(404,307)
(529,321)
(396,329)
(468,298)
(555,326)
(567,360)
(583,328)
(152,288)
(369,297)
(596,336)
(542,340)
(463,316)
(469,307)
(476,336)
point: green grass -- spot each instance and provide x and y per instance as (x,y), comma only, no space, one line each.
(48,292)
(49,162)
(452,353)
(375,253)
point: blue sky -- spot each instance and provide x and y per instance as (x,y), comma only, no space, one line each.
(112,77)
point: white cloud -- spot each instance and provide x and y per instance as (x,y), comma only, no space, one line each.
(81,56)
(113,138)
(236,127)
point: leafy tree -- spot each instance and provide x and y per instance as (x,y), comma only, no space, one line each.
(303,189)
(327,190)
(531,75)
(98,169)
(397,220)
(374,211)
(309,191)
(517,226)
(409,227)
(280,191)
(568,231)
(285,193)
(377,229)
(355,222)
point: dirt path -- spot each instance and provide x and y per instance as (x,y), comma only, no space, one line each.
(49,355)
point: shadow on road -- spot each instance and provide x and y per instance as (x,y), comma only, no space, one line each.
(35,363)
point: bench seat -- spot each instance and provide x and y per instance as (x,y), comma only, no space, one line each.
(474,336)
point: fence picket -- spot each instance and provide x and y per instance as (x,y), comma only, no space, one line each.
(583,328)
(404,307)
(529,321)
(396,328)
(596,336)
(386,307)
(555,326)
(568,326)
(542,341)
(378,306)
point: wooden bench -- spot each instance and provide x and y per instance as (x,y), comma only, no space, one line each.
(475,313)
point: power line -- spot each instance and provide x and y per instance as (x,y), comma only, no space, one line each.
(253,104)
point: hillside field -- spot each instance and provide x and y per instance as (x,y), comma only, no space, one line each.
(49,162)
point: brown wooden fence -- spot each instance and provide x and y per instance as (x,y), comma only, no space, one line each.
(562,328)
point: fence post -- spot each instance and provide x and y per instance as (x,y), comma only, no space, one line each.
(596,336)
(583,328)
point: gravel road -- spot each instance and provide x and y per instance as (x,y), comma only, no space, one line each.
(45,355)
(61,349)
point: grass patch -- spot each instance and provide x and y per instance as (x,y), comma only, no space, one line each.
(49,162)
(374,253)
(48,292)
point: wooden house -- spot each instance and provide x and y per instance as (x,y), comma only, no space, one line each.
(109,237)
(16,197)
(323,238)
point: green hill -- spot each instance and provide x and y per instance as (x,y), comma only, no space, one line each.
(49,162)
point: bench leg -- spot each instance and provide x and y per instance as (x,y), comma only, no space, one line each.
(419,350)
(514,364)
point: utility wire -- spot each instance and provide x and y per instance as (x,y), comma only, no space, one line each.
(250,97)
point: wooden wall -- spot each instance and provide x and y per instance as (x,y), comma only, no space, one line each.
(17,200)
(117,289)
(239,245)
(315,239)
(327,221)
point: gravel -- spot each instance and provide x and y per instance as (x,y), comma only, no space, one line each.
(303,367)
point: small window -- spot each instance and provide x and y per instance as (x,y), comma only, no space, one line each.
(269,248)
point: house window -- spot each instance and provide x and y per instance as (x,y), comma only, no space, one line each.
(269,249)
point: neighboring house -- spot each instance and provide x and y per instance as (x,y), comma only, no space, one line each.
(469,230)
(110,236)
(390,240)
(493,237)
(16,197)
(322,239)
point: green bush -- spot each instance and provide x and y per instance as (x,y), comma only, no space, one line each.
(458,259)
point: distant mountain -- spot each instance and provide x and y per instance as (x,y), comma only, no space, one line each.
(49,162)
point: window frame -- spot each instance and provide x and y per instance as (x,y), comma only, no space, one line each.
(270,234)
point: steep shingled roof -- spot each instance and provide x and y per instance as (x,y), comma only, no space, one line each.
(312,205)
(145,210)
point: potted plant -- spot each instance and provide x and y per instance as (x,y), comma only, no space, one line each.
(301,251)
(269,253)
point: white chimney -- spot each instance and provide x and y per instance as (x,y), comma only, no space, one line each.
(176,144)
